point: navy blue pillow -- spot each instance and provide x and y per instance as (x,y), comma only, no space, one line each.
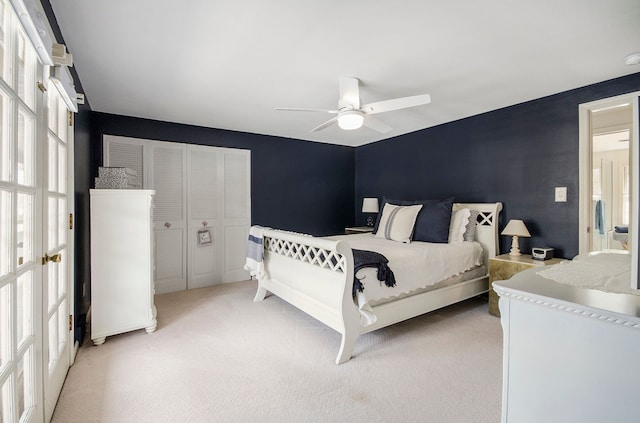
(432,223)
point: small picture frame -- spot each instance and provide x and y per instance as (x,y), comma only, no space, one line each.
(204,237)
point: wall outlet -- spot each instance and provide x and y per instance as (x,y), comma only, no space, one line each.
(561,194)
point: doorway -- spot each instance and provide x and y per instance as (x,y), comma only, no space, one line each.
(608,213)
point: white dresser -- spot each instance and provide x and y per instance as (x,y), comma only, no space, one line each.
(121,262)
(570,353)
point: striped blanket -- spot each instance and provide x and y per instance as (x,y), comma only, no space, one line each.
(255,252)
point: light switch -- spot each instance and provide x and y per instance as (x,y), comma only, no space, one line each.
(561,194)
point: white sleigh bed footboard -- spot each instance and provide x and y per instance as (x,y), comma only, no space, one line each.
(316,276)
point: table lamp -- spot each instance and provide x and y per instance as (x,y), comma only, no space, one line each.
(515,228)
(370,205)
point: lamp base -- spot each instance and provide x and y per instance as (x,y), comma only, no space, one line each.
(369,221)
(515,248)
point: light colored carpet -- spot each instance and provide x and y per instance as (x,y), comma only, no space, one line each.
(219,357)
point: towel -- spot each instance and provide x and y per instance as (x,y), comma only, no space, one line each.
(599,217)
(255,252)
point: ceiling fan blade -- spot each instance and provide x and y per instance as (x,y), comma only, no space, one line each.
(396,104)
(326,124)
(288,109)
(376,124)
(349,93)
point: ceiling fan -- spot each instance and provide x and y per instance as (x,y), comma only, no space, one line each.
(352,115)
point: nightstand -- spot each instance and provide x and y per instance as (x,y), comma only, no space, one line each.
(358,230)
(503,267)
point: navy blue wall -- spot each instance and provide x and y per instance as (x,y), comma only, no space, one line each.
(516,155)
(295,185)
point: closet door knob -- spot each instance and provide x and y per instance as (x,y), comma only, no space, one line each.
(167,225)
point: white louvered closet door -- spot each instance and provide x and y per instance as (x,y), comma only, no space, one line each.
(168,177)
(205,177)
(219,202)
(197,187)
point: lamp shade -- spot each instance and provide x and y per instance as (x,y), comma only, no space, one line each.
(516,227)
(370,205)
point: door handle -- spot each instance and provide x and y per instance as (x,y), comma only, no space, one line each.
(56,258)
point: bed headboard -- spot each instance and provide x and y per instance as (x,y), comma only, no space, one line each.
(487,230)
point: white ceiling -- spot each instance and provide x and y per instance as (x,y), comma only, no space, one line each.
(227,64)
(610,142)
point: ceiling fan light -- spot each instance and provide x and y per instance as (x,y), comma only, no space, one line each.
(350,120)
(632,59)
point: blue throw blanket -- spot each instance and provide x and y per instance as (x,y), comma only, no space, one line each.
(364,258)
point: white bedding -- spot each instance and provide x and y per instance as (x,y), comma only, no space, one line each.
(609,272)
(416,265)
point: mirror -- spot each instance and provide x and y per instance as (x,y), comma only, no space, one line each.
(610,188)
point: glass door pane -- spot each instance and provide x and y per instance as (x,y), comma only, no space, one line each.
(6,141)
(25,228)
(7,223)
(26,71)
(5,44)
(25,384)
(5,326)
(25,296)
(26,147)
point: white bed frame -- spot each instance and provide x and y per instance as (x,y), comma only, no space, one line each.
(316,276)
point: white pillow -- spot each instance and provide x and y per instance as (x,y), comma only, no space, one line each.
(397,222)
(470,232)
(458,226)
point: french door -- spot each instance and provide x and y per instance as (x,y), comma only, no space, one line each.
(20,237)
(36,144)
(57,260)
